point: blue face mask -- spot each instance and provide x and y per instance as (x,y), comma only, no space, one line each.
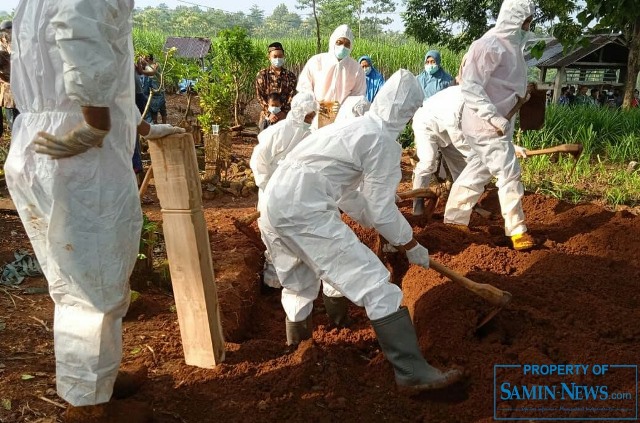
(341,52)
(367,70)
(431,69)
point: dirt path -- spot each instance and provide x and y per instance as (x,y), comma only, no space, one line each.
(575,300)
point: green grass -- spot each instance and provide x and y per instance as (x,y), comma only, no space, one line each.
(611,138)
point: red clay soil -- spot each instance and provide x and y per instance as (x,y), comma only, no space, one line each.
(575,300)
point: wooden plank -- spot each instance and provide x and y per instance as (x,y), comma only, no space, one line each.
(601,64)
(7,204)
(178,185)
(194,288)
(175,172)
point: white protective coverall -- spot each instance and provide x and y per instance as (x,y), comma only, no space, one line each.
(436,126)
(493,74)
(273,145)
(82,213)
(300,221)
(330,79)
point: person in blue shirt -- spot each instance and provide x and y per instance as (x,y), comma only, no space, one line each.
(433,78)
(374,78)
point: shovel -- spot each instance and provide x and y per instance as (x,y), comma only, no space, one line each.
(574,149)
(429,193)
(496,297)
(243,225)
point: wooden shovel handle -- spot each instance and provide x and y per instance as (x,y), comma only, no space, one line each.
(574,149)
(414,193)
(495,296)
(420,193)
(516,108)
(248,219)
(145,181)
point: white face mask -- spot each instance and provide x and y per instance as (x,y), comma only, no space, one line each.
(277,62)
(431,69)
(524,35)
(341,52)
(367,70)
(273,109)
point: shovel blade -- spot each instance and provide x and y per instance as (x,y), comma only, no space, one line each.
(506,299)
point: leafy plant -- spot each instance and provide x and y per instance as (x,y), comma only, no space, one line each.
(216,96)
(235,63)
(147,237)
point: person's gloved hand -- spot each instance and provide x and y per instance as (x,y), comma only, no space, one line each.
(75,142)
(419,255)
(398,199)
(388,248)
(162,130)
(503,125)
(361,107)
(520,151)
(335,107)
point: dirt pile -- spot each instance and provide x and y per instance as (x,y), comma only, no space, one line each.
(575,300)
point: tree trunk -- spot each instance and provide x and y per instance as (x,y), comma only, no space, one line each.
(633,64)
(236,101)
(315,17)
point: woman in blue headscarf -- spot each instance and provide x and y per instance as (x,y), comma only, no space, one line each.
(433,78)
(373,77)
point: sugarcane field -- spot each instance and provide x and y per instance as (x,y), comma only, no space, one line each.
(325,218)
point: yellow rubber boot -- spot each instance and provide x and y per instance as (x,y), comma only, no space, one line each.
(463,228)
(522,242)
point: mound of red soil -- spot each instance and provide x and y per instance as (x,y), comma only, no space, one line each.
(575,300)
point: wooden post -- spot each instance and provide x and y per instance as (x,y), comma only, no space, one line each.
(178,186)
(211,151)
(560,78)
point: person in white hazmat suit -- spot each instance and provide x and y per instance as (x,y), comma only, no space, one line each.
(436,127)
(353,166)
(493,75)
(69,174)
(333,76)
(273,145)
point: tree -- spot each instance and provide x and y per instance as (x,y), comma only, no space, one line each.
(235,63)
(371,20)
(255,17)
(281,23)
(456,23)
(364,17)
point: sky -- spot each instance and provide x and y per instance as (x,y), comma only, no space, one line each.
(229,6)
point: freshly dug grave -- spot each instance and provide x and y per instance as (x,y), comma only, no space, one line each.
(575,300)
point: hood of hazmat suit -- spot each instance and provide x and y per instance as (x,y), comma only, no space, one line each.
(330,79)
(495,70)
(81,213)
(277,140)
(353,165)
